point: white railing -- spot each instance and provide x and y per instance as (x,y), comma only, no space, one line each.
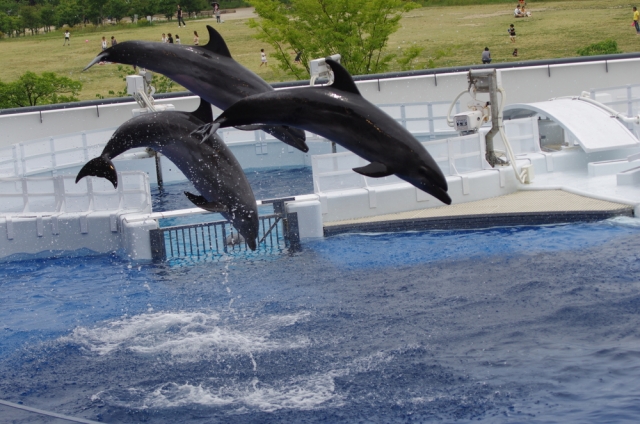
(523,135)
(454,156)
(624,99)
(60,194)
(53,153)
(424,120)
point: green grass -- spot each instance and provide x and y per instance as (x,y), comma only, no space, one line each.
(449,35)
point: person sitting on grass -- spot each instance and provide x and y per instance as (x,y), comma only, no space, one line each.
(486,55)
(518,12)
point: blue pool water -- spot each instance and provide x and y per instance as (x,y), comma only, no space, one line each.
(530,324)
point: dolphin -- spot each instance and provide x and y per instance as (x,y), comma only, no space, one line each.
(339,113)
(210,166)
(208,71)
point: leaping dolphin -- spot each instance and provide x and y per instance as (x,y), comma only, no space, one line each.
(340,114)
(208,71)
(210,166)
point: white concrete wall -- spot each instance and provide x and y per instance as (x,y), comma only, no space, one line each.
(523,85)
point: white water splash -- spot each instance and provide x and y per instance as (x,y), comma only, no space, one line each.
(187,336)
(301,393)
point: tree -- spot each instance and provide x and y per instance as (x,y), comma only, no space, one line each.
(32,89)
(47,14)
(31,18)
(167,8)
(358,30)
(68,12)
(118,9)
(194,6)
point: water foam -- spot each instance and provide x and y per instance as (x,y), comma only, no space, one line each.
(300,393)
(187,336)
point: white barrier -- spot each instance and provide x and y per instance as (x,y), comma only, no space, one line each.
(60,194)
(454,156)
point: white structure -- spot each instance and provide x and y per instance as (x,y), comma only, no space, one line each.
(565,143)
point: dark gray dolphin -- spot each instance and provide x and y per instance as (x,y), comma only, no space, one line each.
(208,71)
(340,114)
(210,166)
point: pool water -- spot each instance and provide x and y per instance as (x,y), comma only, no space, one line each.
(528,324)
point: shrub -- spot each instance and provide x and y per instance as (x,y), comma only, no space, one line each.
(603,47)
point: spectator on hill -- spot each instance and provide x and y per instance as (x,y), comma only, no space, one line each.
(180,18)
(169,38)
(67,38)
(517,13)
(164,38)
(113,41)
(104,44)
(486,55)
(512,33)
(178,39)
(196,39)
(263,58)
(515,53)
(636,18)
(216,11)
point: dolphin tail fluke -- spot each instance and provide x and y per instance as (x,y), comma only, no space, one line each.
(99,167)
(206,130)
(100,58)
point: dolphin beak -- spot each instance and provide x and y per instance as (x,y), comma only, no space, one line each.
(100,58)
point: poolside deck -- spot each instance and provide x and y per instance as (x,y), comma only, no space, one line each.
(533,207)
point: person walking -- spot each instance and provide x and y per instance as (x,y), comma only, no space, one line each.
(180,18)
(196,39)
(104,43)
(216,11)
(263,58)
(486,55)
(67,38)
(512,33)
(636,18)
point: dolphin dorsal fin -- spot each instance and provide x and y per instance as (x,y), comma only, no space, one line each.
(216,43)
(341,78)
(203,112)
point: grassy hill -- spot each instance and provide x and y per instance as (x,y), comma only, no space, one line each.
(450,35)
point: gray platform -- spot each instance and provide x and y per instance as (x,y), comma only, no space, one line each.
(521,208)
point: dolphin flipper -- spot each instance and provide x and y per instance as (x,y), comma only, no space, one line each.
(203,203)
(99,167)
(374,170)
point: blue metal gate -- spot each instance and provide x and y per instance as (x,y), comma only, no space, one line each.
(278,232)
